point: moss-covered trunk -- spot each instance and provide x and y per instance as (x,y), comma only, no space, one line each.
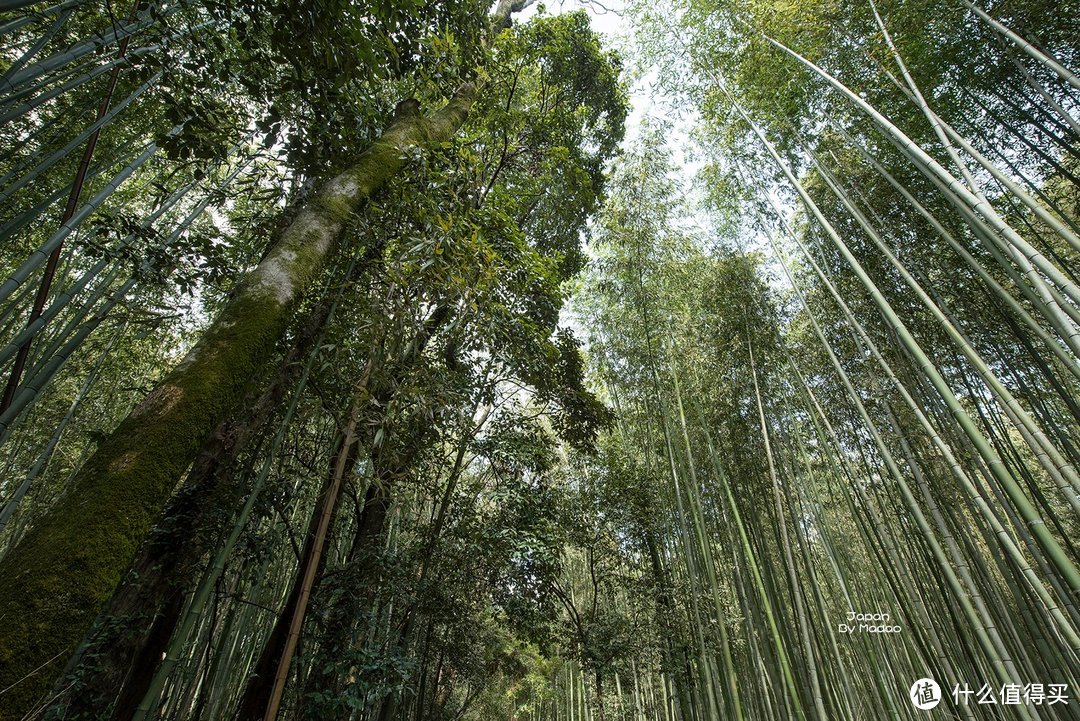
(63,571)
(118,659)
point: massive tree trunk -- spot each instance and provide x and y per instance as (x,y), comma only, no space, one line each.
(67,566)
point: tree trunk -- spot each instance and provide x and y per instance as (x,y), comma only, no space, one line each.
(120,655)
(262,696)
(342,615)
(66,567)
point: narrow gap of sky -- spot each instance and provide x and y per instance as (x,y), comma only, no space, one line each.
(647,100)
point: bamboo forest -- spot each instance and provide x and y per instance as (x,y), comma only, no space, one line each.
(535,360)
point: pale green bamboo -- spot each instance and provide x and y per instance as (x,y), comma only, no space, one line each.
(19,109)
(926,626)
(1049,544)
(123,31)
(755,571)
(1006,540)
(33,50)
(1047,97)
(725,644)
(1051,460)
(64,298)
(687,548)
(945,133)
(58,155)
(39,256)
(1044,59)
(1020,249)
(29,18)
(789,562)
(11,504)
(1002,665)
(39,376)
(1069,361)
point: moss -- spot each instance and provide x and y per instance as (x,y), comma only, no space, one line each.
(339,208)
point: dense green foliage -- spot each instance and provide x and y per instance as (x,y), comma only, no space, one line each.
(371,373)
